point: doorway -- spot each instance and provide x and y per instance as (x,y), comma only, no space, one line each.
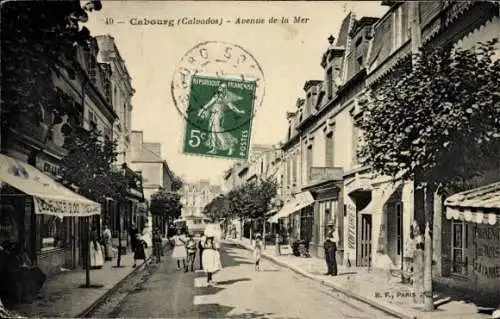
(365,241)
(395,232)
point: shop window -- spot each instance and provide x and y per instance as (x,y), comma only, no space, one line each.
(52,232)
(459,238)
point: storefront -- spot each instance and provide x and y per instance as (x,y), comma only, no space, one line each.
(46,215)
(323,215)
(471,237)
(378,213)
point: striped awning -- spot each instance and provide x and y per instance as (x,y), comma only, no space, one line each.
(479,205)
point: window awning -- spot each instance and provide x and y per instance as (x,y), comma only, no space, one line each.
(479,205)
(300,201)
(49,197)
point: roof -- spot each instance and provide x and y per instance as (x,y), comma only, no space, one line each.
(147,155)
(482,197)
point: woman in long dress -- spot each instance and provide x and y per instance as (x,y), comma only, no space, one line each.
(257,251)
(211,257)
(179,253)
(96,257)
(108,248)
(139,252)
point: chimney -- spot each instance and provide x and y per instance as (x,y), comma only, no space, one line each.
(136,138)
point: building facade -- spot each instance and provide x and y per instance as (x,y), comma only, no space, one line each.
(146,160)
(372,214)
(120,216)
(56,242)
(195,196)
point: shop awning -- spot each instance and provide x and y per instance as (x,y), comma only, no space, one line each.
(379,198)
(479,205)
(49,197)
(300,201)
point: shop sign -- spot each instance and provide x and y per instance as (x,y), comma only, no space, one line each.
(351,226)
(487,264)
(326,173)
(65,208)
(285,250)
(49,168)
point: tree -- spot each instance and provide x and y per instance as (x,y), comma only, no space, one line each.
(166,204)
(177,183)
(252,200)
(217,208)
(89,164)
(436,123)
(39,40)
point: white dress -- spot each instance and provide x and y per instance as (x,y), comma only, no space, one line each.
(179,247)
(211,258)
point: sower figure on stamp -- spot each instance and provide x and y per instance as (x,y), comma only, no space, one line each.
(330,246)
(214,111)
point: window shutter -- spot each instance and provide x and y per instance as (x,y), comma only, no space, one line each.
(446,239)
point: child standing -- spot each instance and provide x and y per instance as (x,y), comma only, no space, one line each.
(257,251)
(157,244)
(191,252)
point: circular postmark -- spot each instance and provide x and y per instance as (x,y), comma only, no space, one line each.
(217,86)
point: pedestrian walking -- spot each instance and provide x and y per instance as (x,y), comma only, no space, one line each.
(200,248)
(157,244)
(178,242)
(139,252)
(106,240)
(211,257)
(191,252)
(330,247)
(257,251)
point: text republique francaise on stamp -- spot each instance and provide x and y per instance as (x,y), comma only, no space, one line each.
(216,87)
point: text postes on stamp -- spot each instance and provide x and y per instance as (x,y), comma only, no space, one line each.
(219,117)
(220,60)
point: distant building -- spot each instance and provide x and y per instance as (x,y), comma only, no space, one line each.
(195,196)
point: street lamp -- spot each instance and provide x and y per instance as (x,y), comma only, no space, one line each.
(120,224)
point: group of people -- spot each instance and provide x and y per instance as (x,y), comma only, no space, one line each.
(185,249)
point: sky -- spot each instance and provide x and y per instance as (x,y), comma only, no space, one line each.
(289,54)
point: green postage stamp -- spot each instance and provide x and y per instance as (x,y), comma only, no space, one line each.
(219,117)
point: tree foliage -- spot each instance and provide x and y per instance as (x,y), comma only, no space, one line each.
(438,120)
(252,199)
(218,207)
(177,183)
(39,40)
(164,203)
(89,165)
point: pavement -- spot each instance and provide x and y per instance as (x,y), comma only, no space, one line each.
(376,287)
(238,292)
(63,296)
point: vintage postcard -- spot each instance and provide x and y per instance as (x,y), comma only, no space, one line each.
(250,159)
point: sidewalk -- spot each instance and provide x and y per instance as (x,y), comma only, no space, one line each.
(376,287)
(62,295)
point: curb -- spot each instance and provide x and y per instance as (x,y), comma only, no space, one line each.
(113,289)
(383,306)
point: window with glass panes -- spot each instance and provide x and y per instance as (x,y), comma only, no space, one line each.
(459,238)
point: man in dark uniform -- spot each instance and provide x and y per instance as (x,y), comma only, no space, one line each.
(330,254)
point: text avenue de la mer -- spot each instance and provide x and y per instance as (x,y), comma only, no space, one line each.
(216,21)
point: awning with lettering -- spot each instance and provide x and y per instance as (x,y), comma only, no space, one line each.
(479,205)
(49,197)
